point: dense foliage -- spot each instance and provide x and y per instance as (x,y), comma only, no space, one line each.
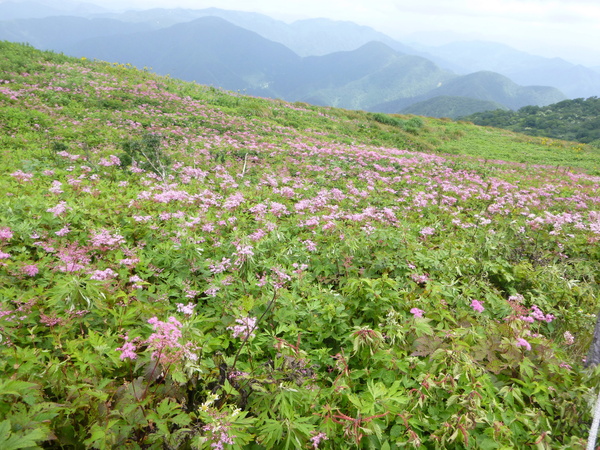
(186,268)
(574,120)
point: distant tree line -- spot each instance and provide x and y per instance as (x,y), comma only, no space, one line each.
(571,120)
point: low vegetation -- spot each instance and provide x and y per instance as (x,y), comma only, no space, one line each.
(182,267)
(574,120)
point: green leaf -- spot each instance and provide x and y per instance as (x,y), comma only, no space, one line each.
(10,440)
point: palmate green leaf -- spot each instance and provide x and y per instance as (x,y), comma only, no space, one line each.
(11,440)
(270,432)
(421,327)
(16,387)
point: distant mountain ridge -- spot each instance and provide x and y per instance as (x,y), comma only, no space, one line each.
(452,107)
(378,75)
(308,37)
(210,50)
(521,67)
(484,86)
(316,37)
(59,32)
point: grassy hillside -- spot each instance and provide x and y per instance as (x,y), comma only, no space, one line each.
(182,267)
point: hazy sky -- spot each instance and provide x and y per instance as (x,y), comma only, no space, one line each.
(567,28)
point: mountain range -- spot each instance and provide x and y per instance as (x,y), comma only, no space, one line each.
(317,61)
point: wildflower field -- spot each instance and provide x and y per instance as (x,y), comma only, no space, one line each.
(187,268)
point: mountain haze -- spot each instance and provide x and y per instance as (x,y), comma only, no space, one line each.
(10,10)
(486,86)
(208,50)
(452,107)
(307,37)
(521,67)
(60,32)
(319,61)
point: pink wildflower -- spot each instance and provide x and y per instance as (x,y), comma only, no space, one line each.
(103,239)
(316,440)
(63,231)
(59,209)
(427,231)
(30,270)
(56,187)
(220,434)
(74,257)
(244,328)
(233,201)
(537,314)
(129,262)
(136,280)
(22,176)
(518,298)
(420,279)
(310,245)
(103,275)
(212,291)
(569,339)
(128,350)
(188,309)
(416,312)
(220,267)
(5,234)
(166,336)
(523,343)
(111,161)
(477,306)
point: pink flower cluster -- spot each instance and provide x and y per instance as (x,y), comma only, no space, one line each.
(537,314)
(59,209)
(420,279)
(5,234)
(569,338)
(105,240)
(416,312)
(188,309)
(128,350)
(22,176)
(30,270)
(244,328)
(523,343)
(165,341)
(427,231)
(316,440)
(103,275)
(56,187)
(111,161)
(477,306)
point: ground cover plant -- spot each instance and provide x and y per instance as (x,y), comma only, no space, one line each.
(182,267)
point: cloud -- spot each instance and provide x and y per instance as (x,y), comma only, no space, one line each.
(551,11)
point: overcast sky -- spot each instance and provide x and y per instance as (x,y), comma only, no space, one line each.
(566,28)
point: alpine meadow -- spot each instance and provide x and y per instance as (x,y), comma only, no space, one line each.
(183,267)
